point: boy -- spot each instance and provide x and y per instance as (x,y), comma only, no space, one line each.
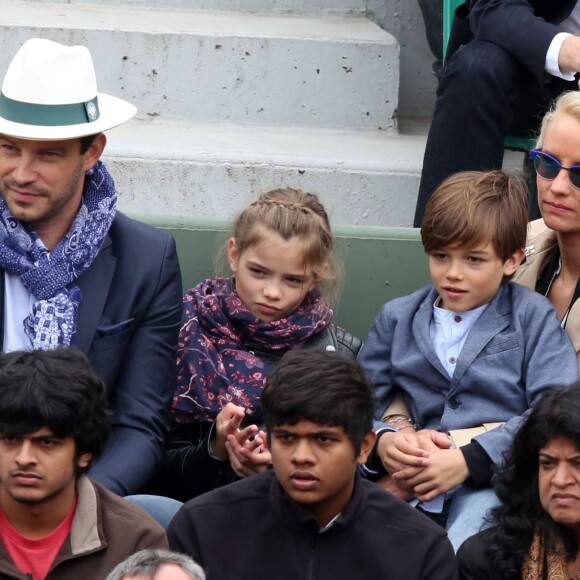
(468,350)
(55,523)
(312,516)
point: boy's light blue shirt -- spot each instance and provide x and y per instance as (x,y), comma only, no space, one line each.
(449,332)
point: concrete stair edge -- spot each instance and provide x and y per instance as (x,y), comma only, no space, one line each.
(215,72)
(279,6)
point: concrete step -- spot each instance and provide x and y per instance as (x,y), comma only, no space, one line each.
(200,66)
(214,170)
(267,6)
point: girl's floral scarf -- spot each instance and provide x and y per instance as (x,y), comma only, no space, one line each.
(214,367)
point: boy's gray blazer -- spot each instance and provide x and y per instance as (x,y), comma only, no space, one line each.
(514,351)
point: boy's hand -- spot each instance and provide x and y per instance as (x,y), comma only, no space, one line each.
(248,457)
(447,468)
(227,423)
(430,439)
(400,449)
(407,448)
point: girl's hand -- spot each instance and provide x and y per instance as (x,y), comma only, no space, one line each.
(227,423)
(248,456)
(447,469)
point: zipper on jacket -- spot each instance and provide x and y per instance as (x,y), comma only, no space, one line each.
(312,558)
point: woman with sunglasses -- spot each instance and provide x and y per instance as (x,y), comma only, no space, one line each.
(552,264)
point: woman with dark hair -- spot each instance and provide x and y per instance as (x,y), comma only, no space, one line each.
(537,527)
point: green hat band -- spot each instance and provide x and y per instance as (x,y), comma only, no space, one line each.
(48,115)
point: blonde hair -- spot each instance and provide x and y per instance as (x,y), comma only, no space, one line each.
(567,103)
(476,207)
(292,213)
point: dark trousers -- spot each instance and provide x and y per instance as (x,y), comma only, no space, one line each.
(432,11)
(484,94)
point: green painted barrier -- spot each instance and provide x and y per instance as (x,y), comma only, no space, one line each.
(379,263)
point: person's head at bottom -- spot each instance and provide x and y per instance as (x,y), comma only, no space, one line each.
(537,531)
(318,408)
(53,422)
(157,565)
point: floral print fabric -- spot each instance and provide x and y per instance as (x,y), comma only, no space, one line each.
(214,367)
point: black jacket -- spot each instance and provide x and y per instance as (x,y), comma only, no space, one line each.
(474,563)
(253,530)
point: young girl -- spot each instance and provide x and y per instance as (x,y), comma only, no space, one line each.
(236,329)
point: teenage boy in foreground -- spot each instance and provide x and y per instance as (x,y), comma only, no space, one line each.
(312,516)
(55,523)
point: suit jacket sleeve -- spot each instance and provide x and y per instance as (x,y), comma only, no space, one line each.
(514,25)
(375,358)
(549,361)
(140,393)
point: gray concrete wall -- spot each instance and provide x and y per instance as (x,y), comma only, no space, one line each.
(185,167)
(402,18)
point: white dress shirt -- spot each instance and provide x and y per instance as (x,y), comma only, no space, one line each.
(17,306)
(572,26)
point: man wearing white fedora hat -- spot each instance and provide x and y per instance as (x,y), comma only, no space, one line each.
(75,271)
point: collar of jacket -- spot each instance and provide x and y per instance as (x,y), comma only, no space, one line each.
(299,519)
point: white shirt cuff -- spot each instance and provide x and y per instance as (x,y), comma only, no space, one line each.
(552,66)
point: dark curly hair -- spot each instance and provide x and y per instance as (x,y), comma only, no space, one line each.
(57,389)
(556,415)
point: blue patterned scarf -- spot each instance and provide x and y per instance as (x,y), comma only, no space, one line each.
(50,276)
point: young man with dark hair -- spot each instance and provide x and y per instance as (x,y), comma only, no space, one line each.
(55,523)
(312,516)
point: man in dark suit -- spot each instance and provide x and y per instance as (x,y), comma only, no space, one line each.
(506,60)
(75,271)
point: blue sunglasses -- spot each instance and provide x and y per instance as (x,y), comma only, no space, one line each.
(548,167)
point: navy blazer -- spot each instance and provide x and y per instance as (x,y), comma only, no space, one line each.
(127,325)
(524,28)
(513,352)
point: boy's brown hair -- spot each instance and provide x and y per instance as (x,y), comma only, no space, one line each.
(476,207)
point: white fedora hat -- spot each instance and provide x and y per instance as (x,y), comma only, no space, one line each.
(50,93)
